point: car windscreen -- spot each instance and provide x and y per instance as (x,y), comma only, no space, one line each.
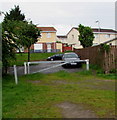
(70,56)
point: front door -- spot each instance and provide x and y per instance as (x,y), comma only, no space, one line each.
(48,47)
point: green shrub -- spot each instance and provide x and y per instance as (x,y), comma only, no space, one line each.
(105,47)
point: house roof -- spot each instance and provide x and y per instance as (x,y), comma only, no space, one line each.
(115,39)
(47,29)
(101,30)
(104,30)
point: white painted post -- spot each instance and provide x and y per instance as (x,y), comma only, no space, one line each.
(25,68)
(87,64)
(15,74)
(28,67)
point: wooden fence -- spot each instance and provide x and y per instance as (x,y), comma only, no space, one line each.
(106,60)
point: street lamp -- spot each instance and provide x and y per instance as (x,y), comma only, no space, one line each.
(98,29)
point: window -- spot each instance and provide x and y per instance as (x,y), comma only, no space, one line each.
(107,36)
(110,44)
(48,35)
(72,36)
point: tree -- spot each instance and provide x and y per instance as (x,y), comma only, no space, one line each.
(86,36)
(8,37)
(14,14)
(8,46)
(26,34)
(16,32)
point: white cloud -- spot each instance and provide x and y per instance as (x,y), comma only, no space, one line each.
(64,15)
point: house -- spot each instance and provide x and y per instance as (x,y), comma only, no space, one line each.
(101,36)
(65,45)
(112,42)
(104,35)
(47,41)
(62,38)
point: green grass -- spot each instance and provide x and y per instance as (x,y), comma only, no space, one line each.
(21,58)
(38,100)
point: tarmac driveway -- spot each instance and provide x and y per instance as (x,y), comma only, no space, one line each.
(36,68)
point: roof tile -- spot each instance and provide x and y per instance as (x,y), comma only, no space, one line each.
(47,29)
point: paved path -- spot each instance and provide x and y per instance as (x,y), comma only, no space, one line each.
(35,68)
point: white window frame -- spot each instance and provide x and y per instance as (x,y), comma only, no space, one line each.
(48,35)
(107,35)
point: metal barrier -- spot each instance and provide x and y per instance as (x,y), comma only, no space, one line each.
(27,65)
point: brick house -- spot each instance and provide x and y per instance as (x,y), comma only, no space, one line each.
(47,41)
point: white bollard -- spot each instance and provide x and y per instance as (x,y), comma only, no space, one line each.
(25,68)
(15,74)
(87,64)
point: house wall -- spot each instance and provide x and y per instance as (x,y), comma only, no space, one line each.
(59,46)
(102,37)
(62,40)
(112,43)
(48,40)
(44,37)
(72,38)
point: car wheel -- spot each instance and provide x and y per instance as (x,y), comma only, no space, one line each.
(64,66)
(52,59)
(79,65)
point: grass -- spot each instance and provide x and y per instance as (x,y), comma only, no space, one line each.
(21,58)
(38,99)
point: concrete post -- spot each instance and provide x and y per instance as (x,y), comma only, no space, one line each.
(25,68)
(87,64)
(15,74)
(28,68)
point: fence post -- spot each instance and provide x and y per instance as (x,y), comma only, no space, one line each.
(25,68)
(87,64)
(15,74)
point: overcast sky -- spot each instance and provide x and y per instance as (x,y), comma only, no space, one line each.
(65,15)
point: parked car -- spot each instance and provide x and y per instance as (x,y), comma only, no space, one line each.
(69,57)
(55,57)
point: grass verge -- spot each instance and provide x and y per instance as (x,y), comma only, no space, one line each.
(36,95)
(21,58)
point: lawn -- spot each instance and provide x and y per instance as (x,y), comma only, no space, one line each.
(37,95)
(21,58)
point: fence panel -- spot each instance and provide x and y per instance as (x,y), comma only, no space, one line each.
(106,60)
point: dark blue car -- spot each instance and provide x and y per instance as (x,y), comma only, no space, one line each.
(55,57)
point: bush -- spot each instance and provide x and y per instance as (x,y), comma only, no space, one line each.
(113,71)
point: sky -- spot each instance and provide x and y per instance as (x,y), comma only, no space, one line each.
(65,15)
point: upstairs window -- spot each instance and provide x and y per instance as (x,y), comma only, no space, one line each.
(48,35)
(72,36)
(107,36)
